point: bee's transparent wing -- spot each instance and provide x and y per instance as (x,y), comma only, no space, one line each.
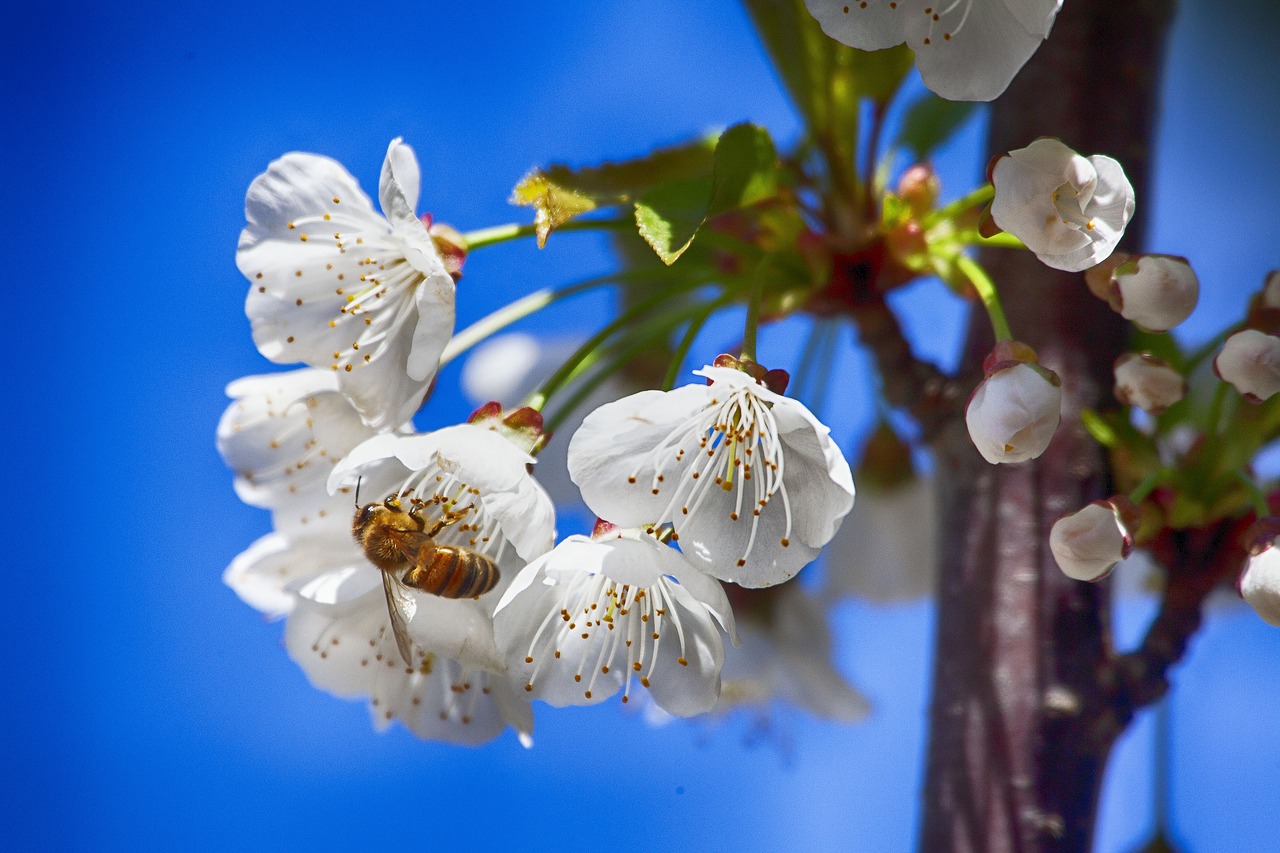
(400,607)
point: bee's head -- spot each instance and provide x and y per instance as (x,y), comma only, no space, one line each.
(365,516)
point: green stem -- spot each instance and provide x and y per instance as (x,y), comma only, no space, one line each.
(980,196)
(1001,240)
(1215,410)
(659,326)
(587,352)
(518,310)
(986,289)
(753,308)
(482,237)
(690,334)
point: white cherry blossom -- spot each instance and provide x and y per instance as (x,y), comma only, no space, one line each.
(966,50)
(284,432)
(750,480)
(1014,412)
(1070,210)
(1088,543)
(1250,362)
(595,616)
(452,690)
(470,470)
(338,286)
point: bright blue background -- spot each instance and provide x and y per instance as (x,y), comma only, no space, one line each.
(146,707)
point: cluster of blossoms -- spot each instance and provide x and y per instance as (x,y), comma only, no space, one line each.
(727,480)
(444,597)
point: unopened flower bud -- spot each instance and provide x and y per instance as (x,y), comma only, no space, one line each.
(1250,361)
(919,188)
(1015,410)
(1147,382)
(1088,543)
(1155,292)
(1264,307)
(1260,580)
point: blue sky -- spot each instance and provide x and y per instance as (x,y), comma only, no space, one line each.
(148,707)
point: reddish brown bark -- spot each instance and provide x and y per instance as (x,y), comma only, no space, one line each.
(1023,715)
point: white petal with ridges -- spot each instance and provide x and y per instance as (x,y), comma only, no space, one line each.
(336,286)
(750,479)
(595,617)
(349,650)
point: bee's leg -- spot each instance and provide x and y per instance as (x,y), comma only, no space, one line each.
(450,517)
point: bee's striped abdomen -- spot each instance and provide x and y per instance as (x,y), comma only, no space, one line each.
(452,572)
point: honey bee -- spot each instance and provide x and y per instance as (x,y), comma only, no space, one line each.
(398,542)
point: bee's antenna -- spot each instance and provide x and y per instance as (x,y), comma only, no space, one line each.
(358,479)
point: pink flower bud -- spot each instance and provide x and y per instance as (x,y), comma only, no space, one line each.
(1147,382)
(919,188)
(1015,410)
(1155,292)
(1250,361)
(1088,543)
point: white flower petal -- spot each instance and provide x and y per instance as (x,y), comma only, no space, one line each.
(575,634)
(1035,16)
(336,286)
(284,432)
(973,51)
(262,574)
(436,313)
(1260,584)
(1157,292)
(399,182)
(966,50)
(617,439)
(1147,382)
(1088,543)
(867,26)
(1013,414)
(1250,362)
(1069,210)
(348,650)
(750,479)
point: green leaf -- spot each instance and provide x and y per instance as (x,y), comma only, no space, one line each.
(929,122)
(670,215)
(559,193)
(745,171)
